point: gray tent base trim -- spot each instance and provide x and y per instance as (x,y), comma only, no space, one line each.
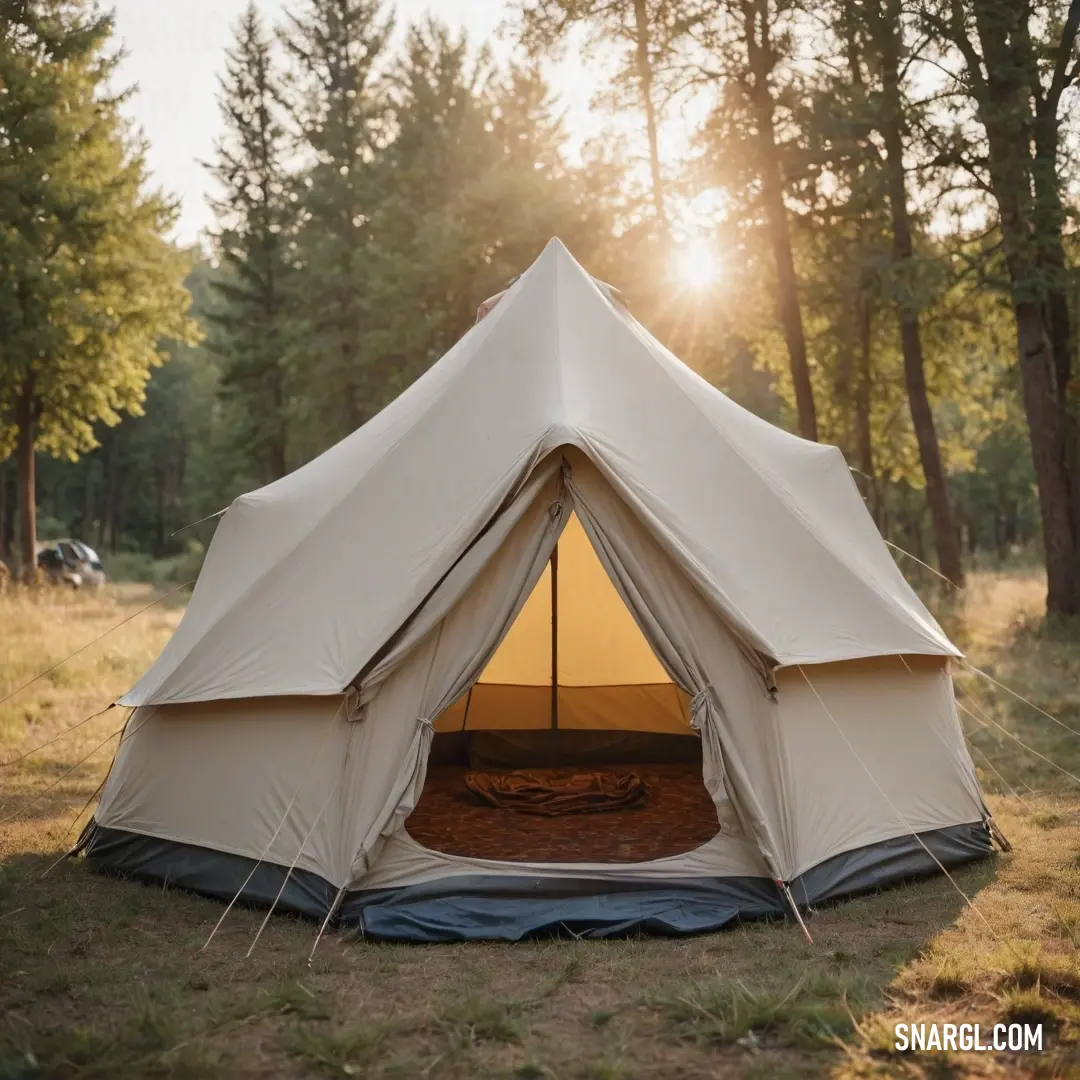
(483,907)
(218,874)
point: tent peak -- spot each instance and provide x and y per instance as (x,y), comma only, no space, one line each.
(556,249)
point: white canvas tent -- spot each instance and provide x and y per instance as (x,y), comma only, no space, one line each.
(716,577)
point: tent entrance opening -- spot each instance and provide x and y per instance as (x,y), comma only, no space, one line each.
(574,745)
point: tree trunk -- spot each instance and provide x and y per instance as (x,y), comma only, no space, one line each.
(1049,215)
(1011,524)
(1046,415)
(161,478)
(645,81)
(4,523)
(946,540)
(115,524)
(25,422)
(1049,218)
(1003,99)
(118,493)
(88,500)
(272,305)
(864,440)
(864,321)
(108,486)
(277,447)
(1048,449)
(922,418)
(787,302)
(915,534)
(761,60)
(181,471)
(843,392)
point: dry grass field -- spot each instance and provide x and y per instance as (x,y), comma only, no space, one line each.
(105,978)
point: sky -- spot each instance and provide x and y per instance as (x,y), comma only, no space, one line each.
(176,52)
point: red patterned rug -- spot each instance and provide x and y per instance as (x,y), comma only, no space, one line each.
(676,815)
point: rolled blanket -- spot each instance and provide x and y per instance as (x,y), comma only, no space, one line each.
(551,794)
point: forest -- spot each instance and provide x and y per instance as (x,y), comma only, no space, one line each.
(858,218)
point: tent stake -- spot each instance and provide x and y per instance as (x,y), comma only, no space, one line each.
(326,922)
(997,835)
(784,888)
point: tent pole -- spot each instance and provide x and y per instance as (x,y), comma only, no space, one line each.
(555,639)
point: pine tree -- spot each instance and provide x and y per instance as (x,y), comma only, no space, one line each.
(339,111)
(88,287)
(468,191)
(257,224)
(543,195)
(428,244)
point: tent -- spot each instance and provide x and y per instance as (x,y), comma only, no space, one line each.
(559,531)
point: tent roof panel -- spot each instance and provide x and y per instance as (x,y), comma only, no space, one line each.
(307,578)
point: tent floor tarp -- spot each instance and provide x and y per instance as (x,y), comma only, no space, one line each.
(497,908)
(676,815)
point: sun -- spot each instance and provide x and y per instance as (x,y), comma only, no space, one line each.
(696,265)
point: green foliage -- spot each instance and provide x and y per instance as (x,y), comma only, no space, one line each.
(163,470)
(88,286)
(257,215)
(420,192)
(464,198)
(139,566)
(340,114)
(371,194)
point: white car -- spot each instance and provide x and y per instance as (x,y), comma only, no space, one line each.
(73,562)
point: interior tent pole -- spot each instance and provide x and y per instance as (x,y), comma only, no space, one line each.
(554,641)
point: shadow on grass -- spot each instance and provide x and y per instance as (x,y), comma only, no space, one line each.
(104,977)
(50,796)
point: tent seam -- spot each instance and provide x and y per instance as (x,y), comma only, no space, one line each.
(559,373)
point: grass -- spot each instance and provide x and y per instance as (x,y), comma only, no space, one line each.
(104,978)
